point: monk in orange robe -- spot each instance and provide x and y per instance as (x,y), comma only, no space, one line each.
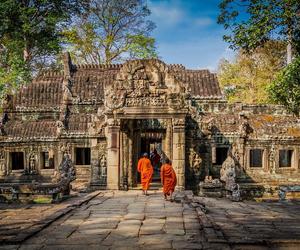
(146,170)
(168,179)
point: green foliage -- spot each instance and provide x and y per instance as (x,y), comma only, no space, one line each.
(251,22)
(30,33)
(285,89)
(245,79)
(111,31)
(141,47)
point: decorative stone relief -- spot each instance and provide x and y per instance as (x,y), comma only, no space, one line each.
(143,84)
(66,149)
(228,175)
(65,174)
(271,156)
(178,121)
(103,165)
(195,161)
(96,127)
(31,168)
(60,128)
(3,170)
(244,128)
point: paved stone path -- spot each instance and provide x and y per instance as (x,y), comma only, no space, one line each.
(244,225)
(129,220)
(19,221)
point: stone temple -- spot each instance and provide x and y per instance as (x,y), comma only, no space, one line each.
(105,116)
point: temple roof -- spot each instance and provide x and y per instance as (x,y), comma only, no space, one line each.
(88,83)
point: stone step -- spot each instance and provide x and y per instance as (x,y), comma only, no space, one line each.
(153,186)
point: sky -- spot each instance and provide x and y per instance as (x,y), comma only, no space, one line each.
(187,33)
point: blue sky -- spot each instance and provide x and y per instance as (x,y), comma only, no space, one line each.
(187,32)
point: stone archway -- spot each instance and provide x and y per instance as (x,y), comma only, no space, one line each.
(144,90)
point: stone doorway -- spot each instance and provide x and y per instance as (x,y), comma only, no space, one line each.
(141,136)
(148,145)
(128,137)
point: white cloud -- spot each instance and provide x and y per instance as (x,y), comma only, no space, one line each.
(203,21)
(164,13)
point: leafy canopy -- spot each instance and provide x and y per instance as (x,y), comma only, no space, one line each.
(253,22)
(30,34)
(111,30)
(285,89)
(245,78)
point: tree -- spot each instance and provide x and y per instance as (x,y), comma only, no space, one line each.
(285,89)
(30,32)
(253,22)
(245,79)
(111,30)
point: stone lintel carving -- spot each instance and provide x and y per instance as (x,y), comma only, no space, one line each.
(145,83)
(178,122)
(113,122)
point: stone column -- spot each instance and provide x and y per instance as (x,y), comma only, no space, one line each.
(168,140)
(178,160)
(95,168)
(130,154)
(113,154)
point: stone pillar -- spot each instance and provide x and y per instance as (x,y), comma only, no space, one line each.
(95,168)
(178,160)
(130,154)
(168,140)
(113,154)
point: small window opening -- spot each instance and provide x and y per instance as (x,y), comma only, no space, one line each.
(47,160)
(17,160)
(256,158)
(285,158)
(83,156)
(221,155)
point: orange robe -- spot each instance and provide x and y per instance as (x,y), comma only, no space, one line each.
(168,178)
(146,170)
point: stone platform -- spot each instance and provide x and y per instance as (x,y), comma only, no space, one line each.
(130,220)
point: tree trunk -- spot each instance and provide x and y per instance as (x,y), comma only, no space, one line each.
(289,53)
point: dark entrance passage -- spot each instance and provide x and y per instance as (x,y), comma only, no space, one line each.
(153,147)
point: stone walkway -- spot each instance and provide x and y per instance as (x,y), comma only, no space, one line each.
(129,220)
(19,221)
(274,225)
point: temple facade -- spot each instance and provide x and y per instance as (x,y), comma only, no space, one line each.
(105,116)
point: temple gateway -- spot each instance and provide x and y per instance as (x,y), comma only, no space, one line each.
(105,116)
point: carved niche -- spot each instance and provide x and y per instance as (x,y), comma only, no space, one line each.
(32,162)
(99,169)
(195,161)
(145,83)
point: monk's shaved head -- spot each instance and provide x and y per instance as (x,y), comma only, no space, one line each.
(145,155)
